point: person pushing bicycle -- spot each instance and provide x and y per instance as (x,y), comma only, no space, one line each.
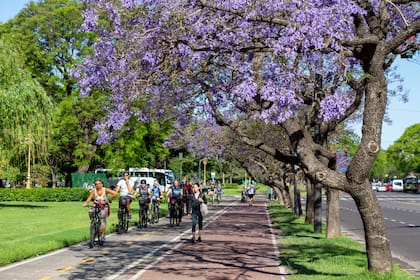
(99,195)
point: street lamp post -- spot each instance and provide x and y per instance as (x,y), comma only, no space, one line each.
(199,171)
(204,175)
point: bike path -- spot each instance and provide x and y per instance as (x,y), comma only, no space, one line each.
(238,243)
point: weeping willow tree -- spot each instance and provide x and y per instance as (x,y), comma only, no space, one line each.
(25,116)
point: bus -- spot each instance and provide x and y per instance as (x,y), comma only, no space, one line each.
(165,177)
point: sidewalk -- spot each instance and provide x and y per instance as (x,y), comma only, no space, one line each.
(238,244)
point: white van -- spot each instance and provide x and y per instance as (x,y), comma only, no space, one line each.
(397,185)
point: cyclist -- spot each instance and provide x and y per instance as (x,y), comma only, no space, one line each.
(156,194)
(144,194)
(187,191)
(124,187)
(175,192)
(99,195)
(211,193)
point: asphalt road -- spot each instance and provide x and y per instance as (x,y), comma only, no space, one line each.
(402,218)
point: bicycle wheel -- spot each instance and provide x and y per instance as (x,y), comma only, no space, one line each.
(155,212)
(95,224)
(98,228)
(178,213)
(125,220)
(144,216)
(120,221)
(172,214)
(92,234)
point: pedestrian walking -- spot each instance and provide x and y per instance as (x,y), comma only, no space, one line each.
(219,190)
(195,201)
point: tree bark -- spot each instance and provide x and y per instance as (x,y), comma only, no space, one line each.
(286,195)
(318,208)
(309,218)
(297,205)
(376,237)
(279,195)
(333,213)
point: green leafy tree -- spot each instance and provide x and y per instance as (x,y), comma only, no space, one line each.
(381,168)
(25,113)
(49,33)
(138,145)
(50,37)
(404,154)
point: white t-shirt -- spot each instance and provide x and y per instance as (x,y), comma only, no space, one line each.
(123,187)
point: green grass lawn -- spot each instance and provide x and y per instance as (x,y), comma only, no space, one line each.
(312,256)
(33,228)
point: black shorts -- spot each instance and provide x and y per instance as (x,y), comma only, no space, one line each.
(123,200)
(251,196)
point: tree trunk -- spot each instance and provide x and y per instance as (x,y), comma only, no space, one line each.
(333,213)
(279,195)
(297,205)
(376,237)
(318,208)
(286,195)
(309,218)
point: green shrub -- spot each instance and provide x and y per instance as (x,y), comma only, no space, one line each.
(44,194)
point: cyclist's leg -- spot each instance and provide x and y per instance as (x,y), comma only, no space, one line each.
(200,225)
(194,225)
(140,215)
(104,214)
(154,211)
(179,211)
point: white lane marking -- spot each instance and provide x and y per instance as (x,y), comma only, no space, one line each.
(282,269)
(32,259)
(152,253)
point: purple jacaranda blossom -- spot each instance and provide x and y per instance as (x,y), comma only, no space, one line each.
(173,52)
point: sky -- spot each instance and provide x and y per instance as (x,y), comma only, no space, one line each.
(403,115)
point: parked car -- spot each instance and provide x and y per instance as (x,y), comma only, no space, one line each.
(410,183)
(375,186)
(397,185)
(384,187)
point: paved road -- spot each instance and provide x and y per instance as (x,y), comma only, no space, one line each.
(238,243)
(401,214)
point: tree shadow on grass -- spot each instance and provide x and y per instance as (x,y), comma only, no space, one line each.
(21,206)
(312,247)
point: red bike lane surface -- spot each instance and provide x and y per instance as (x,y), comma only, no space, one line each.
(238,244)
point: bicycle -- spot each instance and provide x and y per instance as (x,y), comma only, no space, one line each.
(155,211)
(122,215)
(143,213)
(174,212)
(95,225)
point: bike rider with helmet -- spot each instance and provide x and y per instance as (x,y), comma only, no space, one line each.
(144,193)
(125,188)
(175,192)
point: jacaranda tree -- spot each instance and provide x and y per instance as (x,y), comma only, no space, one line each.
(302,65)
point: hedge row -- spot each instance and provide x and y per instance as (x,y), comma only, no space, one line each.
(44,194)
